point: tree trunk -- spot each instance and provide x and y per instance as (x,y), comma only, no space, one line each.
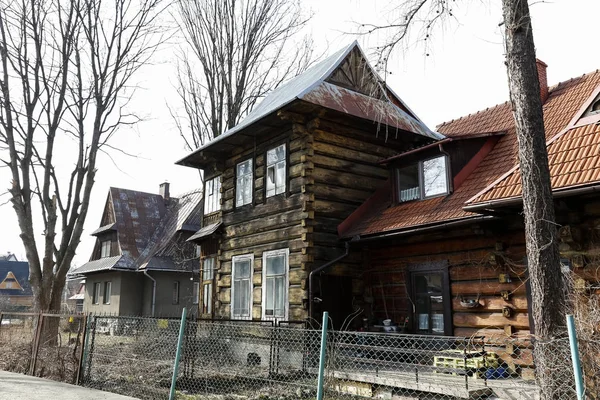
(538,207)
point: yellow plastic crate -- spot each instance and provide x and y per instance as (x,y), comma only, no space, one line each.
(455,359)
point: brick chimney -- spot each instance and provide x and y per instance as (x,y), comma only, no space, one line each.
(163,190)
(543,78)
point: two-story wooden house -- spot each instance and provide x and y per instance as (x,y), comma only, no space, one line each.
(279,183)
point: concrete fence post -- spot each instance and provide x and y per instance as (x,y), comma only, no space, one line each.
(178,353)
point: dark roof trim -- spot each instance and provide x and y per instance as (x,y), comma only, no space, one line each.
(105,228)
(443,141)
(420,229)
(204,232)
(512,201)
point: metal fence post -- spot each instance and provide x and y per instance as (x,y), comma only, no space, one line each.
(178,353)
(575,357)
(86,343)
(322,356)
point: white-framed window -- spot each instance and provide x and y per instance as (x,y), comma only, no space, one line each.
(208,274)
(175,292)
(105,249)
(96,293)
(212,195)
(242,269)
(275,284)
(276,172)
(243,186)
(196,293)
(107,291)
(425,179)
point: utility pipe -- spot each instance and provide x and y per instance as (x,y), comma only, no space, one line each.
(575,357)
(321,269)
(153,290)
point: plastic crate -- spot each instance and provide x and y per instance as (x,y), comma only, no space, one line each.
(474,362)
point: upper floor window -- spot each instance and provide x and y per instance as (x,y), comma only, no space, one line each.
(105,251)
(276,171)
(212,195)
(243,187)
(428,178)
(208,273)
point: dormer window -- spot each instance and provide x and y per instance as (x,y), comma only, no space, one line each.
(595,107)
(105,250)
(425,179)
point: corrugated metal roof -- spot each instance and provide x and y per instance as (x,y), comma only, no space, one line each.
(103,264)
(379,215)
(308,86)
(204,232)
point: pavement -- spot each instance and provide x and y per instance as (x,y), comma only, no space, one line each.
(23,387)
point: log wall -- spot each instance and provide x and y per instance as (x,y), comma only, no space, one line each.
(475,263)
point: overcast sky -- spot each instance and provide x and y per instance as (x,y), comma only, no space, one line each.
(463,73)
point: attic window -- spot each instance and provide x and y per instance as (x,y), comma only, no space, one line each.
(425,179)
(595,107)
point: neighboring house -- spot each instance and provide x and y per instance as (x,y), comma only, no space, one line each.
(8,257)
(74,294)
(278,184)
(141,263)
(453,262)
(15,290)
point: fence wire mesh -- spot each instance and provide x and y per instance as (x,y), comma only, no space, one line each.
(131,356)
(266,360)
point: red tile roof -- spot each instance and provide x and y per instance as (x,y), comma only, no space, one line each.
(574,159)
(378,215)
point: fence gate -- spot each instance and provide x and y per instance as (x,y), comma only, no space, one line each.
(42,344)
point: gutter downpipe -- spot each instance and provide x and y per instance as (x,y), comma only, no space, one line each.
(318,270)
(153,289)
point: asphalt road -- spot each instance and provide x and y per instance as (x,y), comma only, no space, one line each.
(23,387)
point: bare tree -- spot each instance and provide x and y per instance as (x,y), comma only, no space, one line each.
(236,52)
(540,228)
(65,79)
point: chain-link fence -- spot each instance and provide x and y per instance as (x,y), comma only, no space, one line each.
(42,344)
(267,360)
(131,356)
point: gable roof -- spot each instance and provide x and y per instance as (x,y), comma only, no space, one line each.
(313,86)
(18,272)
(380,216)
(147,229)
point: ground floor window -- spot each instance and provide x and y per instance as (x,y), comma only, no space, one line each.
(241,286)
(175,292)
(208,273)
(107,291)
(275,284)
(430,294)
(96,293)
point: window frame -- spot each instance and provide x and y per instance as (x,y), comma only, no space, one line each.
(421,178)
(234,259)
(96,293)
(176,292)
(286,306)
(109,247)
(435,267)
(235,182)
(107,285)
(216,192)
(286,168)
(203,283)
